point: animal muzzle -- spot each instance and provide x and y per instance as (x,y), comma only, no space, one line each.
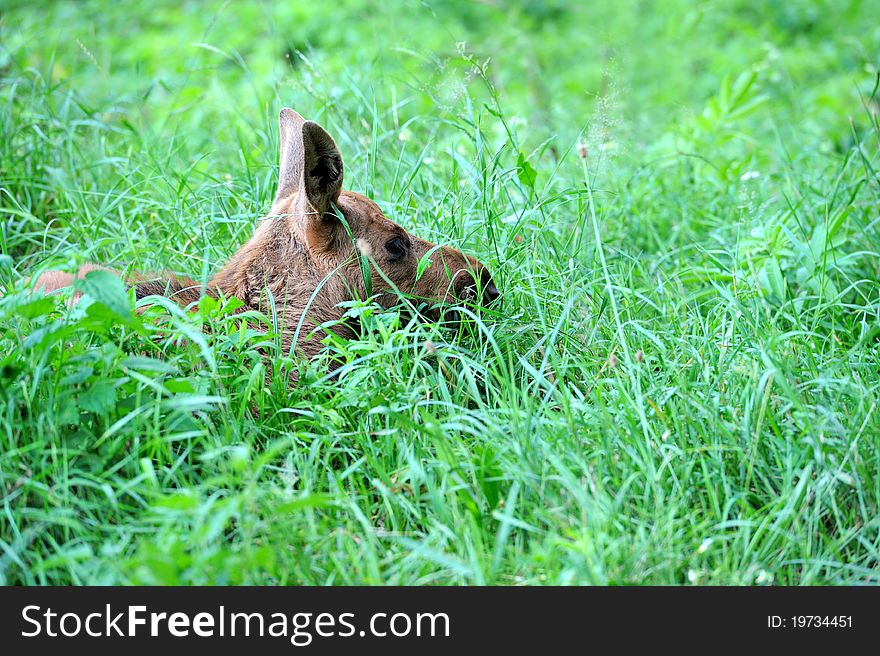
(490,293)
(468,291)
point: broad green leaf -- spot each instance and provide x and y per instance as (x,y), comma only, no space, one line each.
(37,308)
(106,289)
(99,398)
(526,172)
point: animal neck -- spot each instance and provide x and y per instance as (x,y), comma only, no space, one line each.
(274,252)
(301,280)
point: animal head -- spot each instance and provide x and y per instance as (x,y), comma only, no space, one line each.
(342,229)
(321,246)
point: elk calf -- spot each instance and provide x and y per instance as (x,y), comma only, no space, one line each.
(307,252)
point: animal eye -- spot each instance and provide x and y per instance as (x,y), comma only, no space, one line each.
(396,247)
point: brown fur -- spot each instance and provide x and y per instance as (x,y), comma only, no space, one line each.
(183,291)
(303,254)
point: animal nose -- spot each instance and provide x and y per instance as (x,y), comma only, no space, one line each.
(490,293)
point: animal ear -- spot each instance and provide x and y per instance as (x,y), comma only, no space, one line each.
(323,167)
(309,161)
(290,170)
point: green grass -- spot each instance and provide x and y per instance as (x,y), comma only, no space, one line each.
(682,386)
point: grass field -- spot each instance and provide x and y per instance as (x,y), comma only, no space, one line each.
(680,202)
